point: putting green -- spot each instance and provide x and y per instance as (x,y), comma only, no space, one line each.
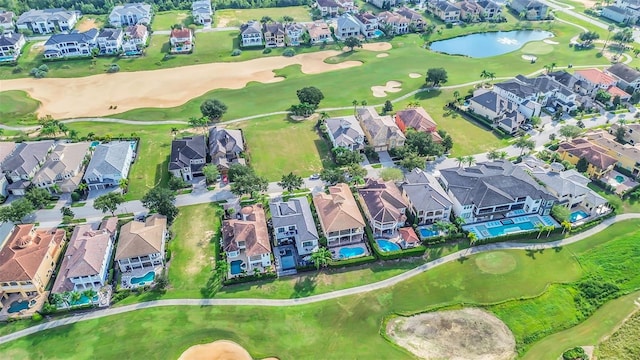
(496,262)
(537,48)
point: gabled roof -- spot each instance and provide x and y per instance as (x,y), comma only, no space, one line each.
(446,6)
(392,18)
(6,148)
(44,15)
(416,118)
(251,27)
(78,37)
(186,149)
(344,130)
(318,28)
(64,158)
(338,209)
(488,4)
(180,33)
(528,4)
(137,31)
(409,235)
(6,16)
(624,72)
(383,201)
(410,14)
(616,91)
(491,183)
(85,254)
(25,250)
(595,76)
(327,3)
(142,9)
(615,9)
(10,39)
(424,191)
(379,127)
(296,212)
(141,238)
(225,141)
(602,139)
(110,34)
(275,28)
(251,229)
(27,156)
(493,102)
(110,158)
(595,155)
(347,20)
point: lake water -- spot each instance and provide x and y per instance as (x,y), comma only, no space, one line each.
(488,44)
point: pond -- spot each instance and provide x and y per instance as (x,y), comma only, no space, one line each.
(488,44)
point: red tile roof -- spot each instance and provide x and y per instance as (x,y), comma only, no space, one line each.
(596,76)
(409,235)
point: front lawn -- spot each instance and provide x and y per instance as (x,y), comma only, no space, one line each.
(237,17)
(165,20)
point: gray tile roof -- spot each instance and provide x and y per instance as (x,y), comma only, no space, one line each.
(347,20)
(45,15)
(424,191)
(141,9)
(225,141)
(383,201)
(186,149)
(26,157)
(624,72)
(88,36)
(251,27)
(110,34)
(10,39)
(446,6)
(493,101)
(107,159)
(296,212)
(491,183)
(345,130)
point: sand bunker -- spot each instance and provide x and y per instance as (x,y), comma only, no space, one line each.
(217,350)
(391,86)
(550,42)
(93,95)
(415,75)
(381,55)
(470,334)
(530,57)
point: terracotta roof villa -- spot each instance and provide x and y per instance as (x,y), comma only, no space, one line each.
(599,162)
(384,206)
(418,119)
(339,216)
(28,260)
(245,240)
(141,244)
(86,261)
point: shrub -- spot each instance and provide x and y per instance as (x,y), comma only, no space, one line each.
(266,51)
(167,254)
(176,183)
(16,70)
(75,196)
(36,317)
(120,295)
(114,68)
(236,52)
(449,25)
(288,53)
(577,353)
(43,68)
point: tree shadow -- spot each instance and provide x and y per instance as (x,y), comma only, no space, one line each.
(531,253)
(427,94)
(304,286)
(558,249)
(462,259)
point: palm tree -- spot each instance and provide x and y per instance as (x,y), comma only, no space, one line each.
(57,299)
(493,154)
(354,103)
(566,226)
(456,95)
(91,135)
(470,160)
(55,188)
(363,103)
(472,238)
(524,143)
(461,160)
(484,74)
(174,131)
(74,297)
(491,76)
(321,257)
(83,187)
(123,184)
(324,116)
(550,228)
(413,104)
(89,294)
(540,228)
(550,67)
(503,155)
(609,29)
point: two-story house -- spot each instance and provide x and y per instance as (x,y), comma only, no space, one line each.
(74,44)
(470,11)
(593,80)
(415,18)
(599,162)
(62,171)
(444,10)
(368,24)
(141,244)
(293,225)
(327,7)
(202,12)
(529,9)
(626,155)
(274,34)
(110,41)
(345,132)
(428,202)
(188,157)
(135,39)
(627,76)
(130,14)
(23,163)
(6,21)
(245,240)
(619,15)
(492,190)
(347,25)
(294,33)
(381,4)
(319,32)
(490,9)
(380,130)
(6,148)
(384,206)
(87,259)
(339,216)
(399,24)
(181,41)
(11,46)
(251,34)
(27,262)
(109,164)
(225,148)
(47,21)
(631,132)
(417,118)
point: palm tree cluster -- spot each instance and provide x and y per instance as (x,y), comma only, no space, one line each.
(488,75)
(71,298)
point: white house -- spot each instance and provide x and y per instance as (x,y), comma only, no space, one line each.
(345,132)
(428,202)
(181,40)
(110,41)
(188,157)
(47,21)
(348,26)
(23,163)
(141,244)
(293,224)
(384,206)
(63,168)
(87,260)
(246,241)
(202,12)
(6,21)
(109,164)
(327,7)
(294,33)
(130,14)
(135,39)
(626,76)
(251,34)
(75,44)
(11,46)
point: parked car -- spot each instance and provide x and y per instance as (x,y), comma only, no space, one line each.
(526,127)
(314,177)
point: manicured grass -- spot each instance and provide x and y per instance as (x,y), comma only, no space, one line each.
(537,48)
(278,145)
(193,249)
(349,325)
(17,108)
(164,20)
(590,332)
(236,17)
(624,344)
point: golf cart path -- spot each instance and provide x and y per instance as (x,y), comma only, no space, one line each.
(320,297)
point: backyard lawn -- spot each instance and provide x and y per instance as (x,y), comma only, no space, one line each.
(17,108)
(236,17)
(164,20)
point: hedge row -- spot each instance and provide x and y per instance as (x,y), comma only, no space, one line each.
(250,278)
(352,262)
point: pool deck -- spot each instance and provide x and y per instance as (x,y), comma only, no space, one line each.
(480,229)
(125,281)
(278,252)
(26,313)
(620,187)
(335,251)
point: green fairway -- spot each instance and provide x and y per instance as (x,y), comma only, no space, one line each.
(236,17)
(351,324)
(165,20)
(537,48)
(17,108)
(278,146)
(623,344)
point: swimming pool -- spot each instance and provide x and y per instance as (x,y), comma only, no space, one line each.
(18,306)
(145,280)
(509,226)
(378,33)
(236,267)
(619,179)
(577,216)
(95,143)
(427,232)
(351,252)
(386,245)
(288,262)
(84,300)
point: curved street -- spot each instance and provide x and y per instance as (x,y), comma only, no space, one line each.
(321,297)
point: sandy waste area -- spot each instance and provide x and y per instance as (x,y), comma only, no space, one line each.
(217,350)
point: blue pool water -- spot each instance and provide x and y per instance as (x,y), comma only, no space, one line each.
(378,33)
(288,262)
(145,280)
(133,145)
(386,245)
(428,232)
(84,300)
(17,306)
(619,179)
(577,216)
(95,143)
(236,267)
(509,226)
(6,58)
(351,252)
(488,44)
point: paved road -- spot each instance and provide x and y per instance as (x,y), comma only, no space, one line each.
(321,297)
